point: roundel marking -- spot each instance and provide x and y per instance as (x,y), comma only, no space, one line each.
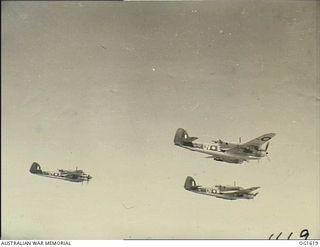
(266,138)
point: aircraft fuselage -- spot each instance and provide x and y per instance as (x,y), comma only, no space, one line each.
(215,191)
(58,175)
(71,176)
(222,151)
(219,191)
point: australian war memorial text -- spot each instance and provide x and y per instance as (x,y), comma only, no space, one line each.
(35,243)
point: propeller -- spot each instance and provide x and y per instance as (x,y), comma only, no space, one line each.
(88,179)
(268,157)
(266,148)
(265,152)
(85,177)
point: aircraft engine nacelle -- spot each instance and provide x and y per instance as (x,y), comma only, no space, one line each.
(35,168)
(248,196)
(262,153)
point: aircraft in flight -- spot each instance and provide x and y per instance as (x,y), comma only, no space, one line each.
(224,151)
(220,191)
(72,176)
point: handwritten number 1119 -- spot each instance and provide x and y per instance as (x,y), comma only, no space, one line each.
(303,234)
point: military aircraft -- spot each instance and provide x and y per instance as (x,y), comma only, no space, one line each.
(219,191)
(224,151)
(72,176)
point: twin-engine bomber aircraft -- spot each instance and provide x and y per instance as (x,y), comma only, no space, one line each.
(224,151)
(219,191)
(72,176)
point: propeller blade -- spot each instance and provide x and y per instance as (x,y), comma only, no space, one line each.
(268,158)
(267,146)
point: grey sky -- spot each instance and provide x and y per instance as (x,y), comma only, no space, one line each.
(104,85)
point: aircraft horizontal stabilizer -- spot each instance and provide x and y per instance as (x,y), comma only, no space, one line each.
(190,139)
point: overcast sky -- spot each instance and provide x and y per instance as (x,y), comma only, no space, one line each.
(104,85)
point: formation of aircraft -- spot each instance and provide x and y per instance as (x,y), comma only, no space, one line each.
(72,176)
(218,150)
(219,191)
(224,151)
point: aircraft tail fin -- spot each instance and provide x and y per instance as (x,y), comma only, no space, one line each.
(35,168)
(182,138)
(190,183)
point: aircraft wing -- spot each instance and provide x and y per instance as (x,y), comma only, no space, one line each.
(253,144)
(240,192)
(73,175)
(226,196)
(259,141)
(228,158)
